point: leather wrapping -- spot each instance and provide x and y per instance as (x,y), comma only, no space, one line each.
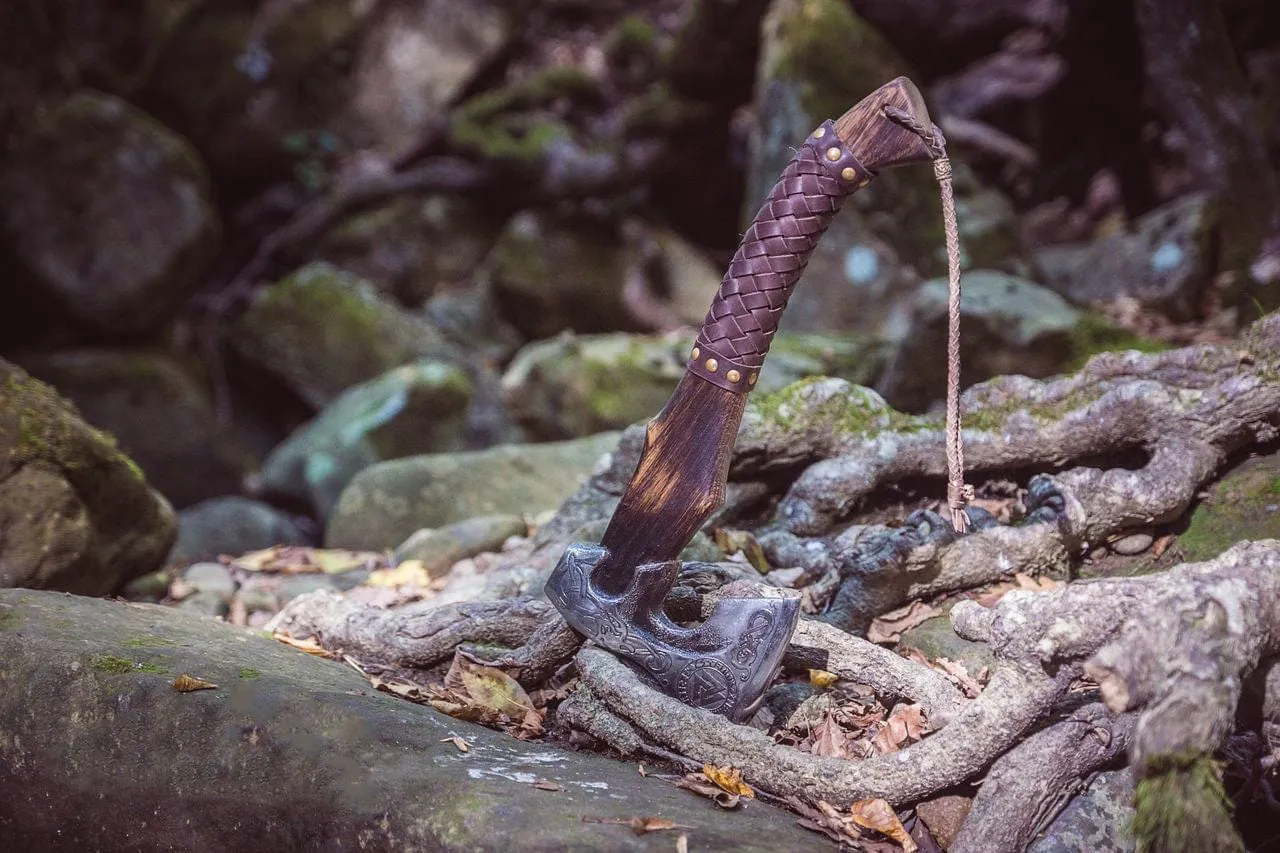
(735,336)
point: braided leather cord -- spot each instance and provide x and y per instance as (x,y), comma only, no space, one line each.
(744,316)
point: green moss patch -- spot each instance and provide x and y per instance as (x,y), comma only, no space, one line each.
(147,643)
(249,672)
(1181,805)
(1243,505)
(10,620)
(113,665)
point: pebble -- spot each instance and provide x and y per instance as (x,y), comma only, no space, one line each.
(1133,544)
(213,578)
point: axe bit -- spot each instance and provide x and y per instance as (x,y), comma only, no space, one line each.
(613,592)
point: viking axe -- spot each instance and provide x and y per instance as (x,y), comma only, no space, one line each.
(613,592)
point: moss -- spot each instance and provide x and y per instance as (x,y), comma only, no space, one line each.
(635,37)
(1244,504)
(10,620)
(1093,334)
(320,296)
(249,672)
(113,665)
(993,418)
(147,643)
(860,412)
(510,125)
(1181,805)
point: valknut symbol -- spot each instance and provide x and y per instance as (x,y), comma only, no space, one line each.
(707,684)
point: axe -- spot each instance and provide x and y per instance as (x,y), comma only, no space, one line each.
(613,592)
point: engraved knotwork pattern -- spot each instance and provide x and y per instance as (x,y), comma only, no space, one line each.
(706,684)
(748,306)
(744,653)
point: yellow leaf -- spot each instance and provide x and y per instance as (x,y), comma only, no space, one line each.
(879,816)
(408,573)
(299,559)
(729,779)
(308,645)
(459,742)
(187,683)
(488,689)
(822,678)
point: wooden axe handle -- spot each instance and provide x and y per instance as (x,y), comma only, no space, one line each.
(680,478)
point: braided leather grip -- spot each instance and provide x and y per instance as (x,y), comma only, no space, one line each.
(744,316)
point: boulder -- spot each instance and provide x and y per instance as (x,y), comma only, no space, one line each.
(101,753)
(109,212)
(817,60)
(76,514)
(1099,819)
(418,57)
(549,273)
(437,550)
(1008,325)
(387,502)
(411,247)
(1165,262)
(684,276)
(416,408)
(322,330)
(233,525)
(573,386)
(157,410)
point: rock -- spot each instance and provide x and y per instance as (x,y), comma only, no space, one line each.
(1008,325)
(1165,263)
(76,513)
(109,211)
(415,408)
(233,525)
(412,248)
(440,549)
(101,753)
(1244,504)
(212,578)
(469,318)
(550,273)
(818,59)
(944,816)
(1097,820)
(1133,544)
(685,276)
(418,57)
(573,386)
(387,502)
(204,603)
(321,330)
(936,639)
(158,412)
(988,223)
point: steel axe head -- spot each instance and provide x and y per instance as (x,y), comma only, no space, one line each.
(722,665)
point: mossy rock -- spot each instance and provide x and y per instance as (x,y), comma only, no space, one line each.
(110,213)
(1243,505)
(322,330)
(77,513)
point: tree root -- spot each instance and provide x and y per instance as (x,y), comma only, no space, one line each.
(1170,653)
(1027,787)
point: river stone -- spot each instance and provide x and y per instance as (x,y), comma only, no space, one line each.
(936,638)
(76,513)
(110,213)
(1097,820)
(321,330)
(1009,325)
(387,502)
(440,549)
(415,408)
(157,410)
(411,247)
(1165,262)
(684,277)
(549,273)
(233,525)
(103,754)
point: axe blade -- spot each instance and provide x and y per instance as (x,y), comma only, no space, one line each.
(722,665)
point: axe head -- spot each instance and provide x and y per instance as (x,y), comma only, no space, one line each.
(722,665)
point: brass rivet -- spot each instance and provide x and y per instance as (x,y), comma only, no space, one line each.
(751,380)
(696,352)
(819,133)
(862,183)
(848,173)
(733,376)
(712,365)
(833,153)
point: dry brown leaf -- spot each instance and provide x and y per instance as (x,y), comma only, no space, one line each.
(729,779)
(700,784)
(958,674)
(189,683)
(403,689)
(308,645)
(879,816)
(991,597)
(548,785)
(639,825)
(908,720)
(408,573)
(459,742)
(300,559)
(1162,544)
(888,627)
(1027,582)
(822,678)
(643,772)
(829,739)
(745,543)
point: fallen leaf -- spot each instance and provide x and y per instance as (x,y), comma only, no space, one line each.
(991,597)
(888,627)
(548,785)
(308,645)
(403,689)
(1162,545)
(829,738)
(639,825)
(959,675)
(408,573)
(904,724)
(744,542)
(188,683)
(682,844)
(1027,582)
(300,559)
(878,815)
(728,778)
(643,772)
(822,678)
(700,784)
(487,687)
(459,742)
